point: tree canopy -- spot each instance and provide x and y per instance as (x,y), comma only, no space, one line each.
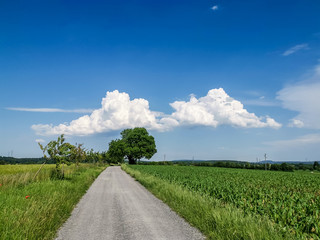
(116,151)
(135,144)
(78,153)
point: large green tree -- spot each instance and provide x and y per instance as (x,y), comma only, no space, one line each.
(135,144)
(116,151)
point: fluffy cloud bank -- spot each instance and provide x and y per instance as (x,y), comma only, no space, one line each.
(303,97)
(217,108)
(118,112)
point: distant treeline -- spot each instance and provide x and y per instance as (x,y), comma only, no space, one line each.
(12,160)
(244,165)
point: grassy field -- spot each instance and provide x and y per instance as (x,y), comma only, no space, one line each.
(286,204)
(35,209)
(28,168)
(14,175)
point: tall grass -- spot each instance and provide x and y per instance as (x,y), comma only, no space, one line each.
(17,175)
(14,175)
(217,220)
(36,209)
(20,168)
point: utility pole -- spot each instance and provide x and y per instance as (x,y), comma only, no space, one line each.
(265,161)
(164,157)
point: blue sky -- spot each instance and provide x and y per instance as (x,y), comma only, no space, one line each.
(208,79)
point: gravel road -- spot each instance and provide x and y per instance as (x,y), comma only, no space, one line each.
(118,207)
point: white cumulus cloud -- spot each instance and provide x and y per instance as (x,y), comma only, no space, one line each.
(217,108)
(118,112)
(303,98)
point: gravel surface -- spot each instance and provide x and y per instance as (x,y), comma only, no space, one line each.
(118,207)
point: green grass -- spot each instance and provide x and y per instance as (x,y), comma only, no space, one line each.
(216,219)
(50,202)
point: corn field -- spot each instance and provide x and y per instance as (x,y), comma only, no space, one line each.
(289,199)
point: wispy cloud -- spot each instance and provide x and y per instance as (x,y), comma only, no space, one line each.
(261,102)
(303,97)
(253,93)
(51,110)
(256,98)
(215,7)
(296,48)
(299,141)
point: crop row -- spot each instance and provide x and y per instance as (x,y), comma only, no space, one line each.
(291,200)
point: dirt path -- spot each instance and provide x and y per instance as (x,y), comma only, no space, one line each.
(118,207)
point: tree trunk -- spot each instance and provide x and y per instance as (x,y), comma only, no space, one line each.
(131,160)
